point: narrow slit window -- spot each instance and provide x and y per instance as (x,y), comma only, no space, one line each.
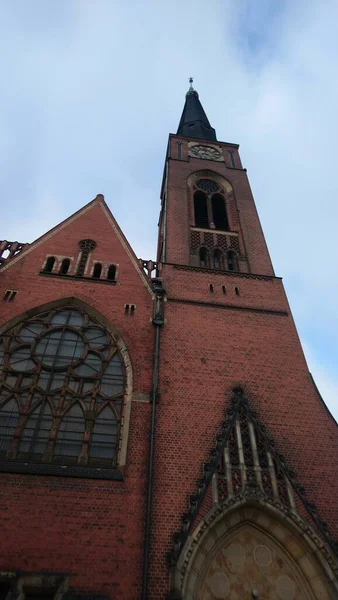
(203,257)
(97,271)
(48,268)
(237,290)
(64,266)
(224,290)
(111,273)
(201,210)
(211,288)
(219,212)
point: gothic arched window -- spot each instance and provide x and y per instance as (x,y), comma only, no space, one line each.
(218,259)
(219,212)
(111,273)
(203,257)
(232,261)
(62,389)
(201,210)
(97,271)
(65,266)
(48,268)
(210,206)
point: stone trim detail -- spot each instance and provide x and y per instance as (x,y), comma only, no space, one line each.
(230,306)
(219,272)
(239,402)
(73,301)
(252,507)
(8,466)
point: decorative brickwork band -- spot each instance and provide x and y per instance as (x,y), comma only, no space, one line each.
(86,246)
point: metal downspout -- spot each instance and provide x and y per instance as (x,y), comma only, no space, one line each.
(158,321)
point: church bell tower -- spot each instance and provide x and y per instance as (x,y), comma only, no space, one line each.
(245,446)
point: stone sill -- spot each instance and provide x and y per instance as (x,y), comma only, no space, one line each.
(78,278)
(85,472)
(221,231)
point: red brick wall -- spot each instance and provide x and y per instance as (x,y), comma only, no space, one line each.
(206,351)
(178,222)
(91,529)
(210,342)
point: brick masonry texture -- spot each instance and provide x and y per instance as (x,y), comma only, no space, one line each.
(210,342)
(91,529)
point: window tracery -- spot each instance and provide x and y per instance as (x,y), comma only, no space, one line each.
(210,206)
(61,390)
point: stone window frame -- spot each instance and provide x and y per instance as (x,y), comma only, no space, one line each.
(225,190)
(124,355)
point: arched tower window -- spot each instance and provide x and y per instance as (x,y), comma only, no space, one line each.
(219,212)
(201,210)
(210,205)
(65,266)
(111,273)
(97,271)
(218,259)
(232,264)
(204,257)
(63,375)
(48,268)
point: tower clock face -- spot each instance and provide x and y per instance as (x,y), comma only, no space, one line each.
(206,152)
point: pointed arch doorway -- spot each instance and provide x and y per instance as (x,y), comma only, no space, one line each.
(250,551)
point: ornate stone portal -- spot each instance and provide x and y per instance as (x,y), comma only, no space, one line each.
(251,551)
(247,562)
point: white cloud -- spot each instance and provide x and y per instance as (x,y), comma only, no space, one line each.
(91,89)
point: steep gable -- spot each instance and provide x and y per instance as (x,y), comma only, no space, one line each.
(94,221)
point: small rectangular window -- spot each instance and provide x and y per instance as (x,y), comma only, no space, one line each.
(129,309)
(237,290)
(211,288)
(9,295)
(224,290)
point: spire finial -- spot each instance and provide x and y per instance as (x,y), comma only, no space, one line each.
(191,89)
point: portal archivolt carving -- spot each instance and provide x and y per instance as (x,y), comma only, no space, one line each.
(251,551)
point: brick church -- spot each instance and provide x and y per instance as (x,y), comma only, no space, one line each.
(161,437)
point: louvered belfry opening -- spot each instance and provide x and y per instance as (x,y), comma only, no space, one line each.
(62,390)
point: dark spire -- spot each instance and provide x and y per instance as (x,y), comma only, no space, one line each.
(194,122)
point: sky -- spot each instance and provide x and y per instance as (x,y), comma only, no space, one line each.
(90,90)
